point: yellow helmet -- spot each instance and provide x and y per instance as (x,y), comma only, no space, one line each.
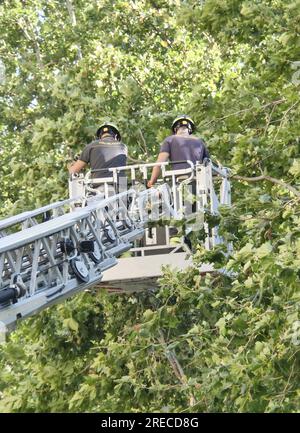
(110,128)
(183,120)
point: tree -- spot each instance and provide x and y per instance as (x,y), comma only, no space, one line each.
(211,343)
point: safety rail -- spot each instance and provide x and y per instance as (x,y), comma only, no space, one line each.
(183,193)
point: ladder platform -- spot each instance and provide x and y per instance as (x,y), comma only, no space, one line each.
(141,273)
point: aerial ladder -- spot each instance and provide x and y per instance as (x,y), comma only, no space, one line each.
(53,252)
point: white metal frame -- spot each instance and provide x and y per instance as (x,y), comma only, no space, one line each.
(52,252)
(38,270)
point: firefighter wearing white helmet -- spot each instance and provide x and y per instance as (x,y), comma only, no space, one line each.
(181,146)
(105,152)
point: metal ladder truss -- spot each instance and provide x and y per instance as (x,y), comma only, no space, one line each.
(44,263)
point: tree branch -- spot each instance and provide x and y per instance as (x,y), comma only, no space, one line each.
(30,35)
(179,373)
(72,15)
(135,161)
(143,141)
(278,101)
(284,118)
(270,179)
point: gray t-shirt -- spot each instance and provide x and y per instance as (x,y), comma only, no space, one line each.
(183,148)
(104,153)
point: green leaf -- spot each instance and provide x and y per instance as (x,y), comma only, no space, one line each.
(264,250)
(71,324)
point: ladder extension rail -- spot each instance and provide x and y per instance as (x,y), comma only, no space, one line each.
(30,218)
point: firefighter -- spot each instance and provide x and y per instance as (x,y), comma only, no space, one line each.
(181,146)
(105,152)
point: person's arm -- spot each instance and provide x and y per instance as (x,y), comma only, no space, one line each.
(162,157)
(76,167)
(80,162)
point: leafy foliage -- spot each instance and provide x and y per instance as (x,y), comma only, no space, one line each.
(200,343)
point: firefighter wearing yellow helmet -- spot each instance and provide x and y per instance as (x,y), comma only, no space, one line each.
(181,146)
(184,121)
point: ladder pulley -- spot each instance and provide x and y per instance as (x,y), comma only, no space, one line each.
(80,269)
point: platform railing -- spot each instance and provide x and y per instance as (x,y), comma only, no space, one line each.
(178,194)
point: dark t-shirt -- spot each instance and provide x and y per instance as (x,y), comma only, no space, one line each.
(183,148)
(104,153)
